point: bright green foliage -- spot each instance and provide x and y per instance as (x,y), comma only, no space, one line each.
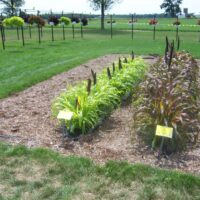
(6,22)
(13,21)
(91,106)
(170,97)
(65,20)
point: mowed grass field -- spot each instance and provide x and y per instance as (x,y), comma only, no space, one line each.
(22,67)
(164,24)
(43,174)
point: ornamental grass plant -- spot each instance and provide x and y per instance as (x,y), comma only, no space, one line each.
(89,102)
(169,96)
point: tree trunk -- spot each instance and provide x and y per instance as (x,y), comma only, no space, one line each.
(12,8)
(102,15)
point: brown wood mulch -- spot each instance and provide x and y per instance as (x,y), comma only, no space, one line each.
(25,118)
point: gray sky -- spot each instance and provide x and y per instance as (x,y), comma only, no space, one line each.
(125,7)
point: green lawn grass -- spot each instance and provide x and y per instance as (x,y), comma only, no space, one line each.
(22,67)
(44,174)
(164,24)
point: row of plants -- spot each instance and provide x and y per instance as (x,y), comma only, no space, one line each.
(74,20)
(83,107)
(152,22)
(18,23)
(53,20)
(169,97)
(175,23)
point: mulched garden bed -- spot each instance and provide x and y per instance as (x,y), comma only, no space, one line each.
(25,118)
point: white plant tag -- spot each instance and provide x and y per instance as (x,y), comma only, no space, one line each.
(63,114)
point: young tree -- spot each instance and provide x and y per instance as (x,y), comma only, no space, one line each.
(11,6)
(172,7)
(103,5)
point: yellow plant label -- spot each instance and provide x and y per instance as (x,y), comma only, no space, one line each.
(164,131)
(63,114)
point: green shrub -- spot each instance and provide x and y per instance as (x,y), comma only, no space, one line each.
(36,20)
(65,20)
(13,21)
(177,23)
(6,22)
(153,22)
(54,20)
(88,105)
(84,21)
(75,19)
(169,97)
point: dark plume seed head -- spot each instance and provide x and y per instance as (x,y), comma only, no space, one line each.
(92,72)
(132,55)
(178,44)
(113,65)
(95,78)
(167,44)
(77,103)
(108,72)
(125,60)
(89,86)
(171,54)
(120,64)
